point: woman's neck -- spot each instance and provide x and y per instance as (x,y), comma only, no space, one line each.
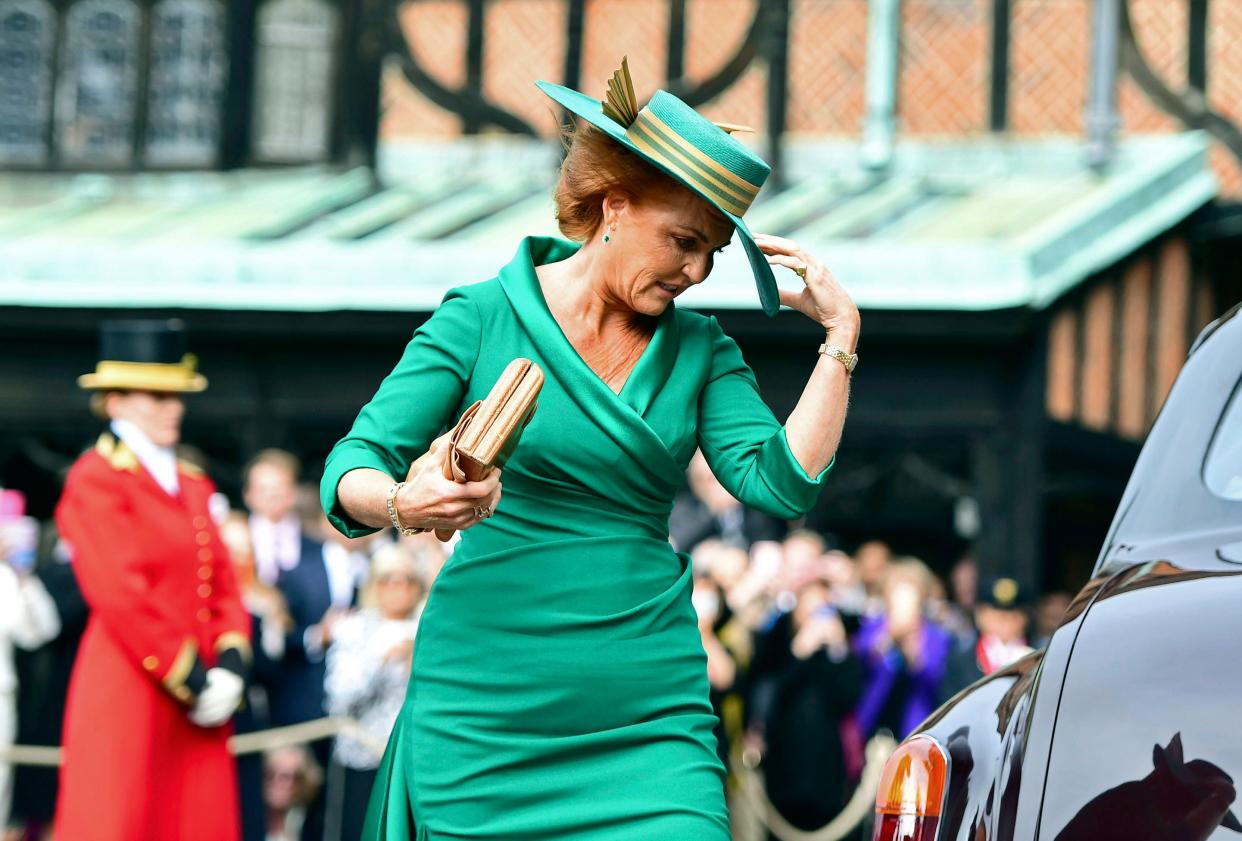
(579,292)
(606,332)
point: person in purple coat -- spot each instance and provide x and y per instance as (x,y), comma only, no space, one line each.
(904,654)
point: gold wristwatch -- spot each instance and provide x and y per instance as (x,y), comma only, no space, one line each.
(849,360)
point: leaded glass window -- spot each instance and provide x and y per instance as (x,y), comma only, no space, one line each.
(293,71)
(27,34)
(96,94)
(187,78)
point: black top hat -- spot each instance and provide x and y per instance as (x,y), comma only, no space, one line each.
(144,355)
(1002,593)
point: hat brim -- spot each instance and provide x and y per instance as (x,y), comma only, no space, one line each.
(592,110)
(139,376)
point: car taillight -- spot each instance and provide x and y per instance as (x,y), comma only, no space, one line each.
(911,792)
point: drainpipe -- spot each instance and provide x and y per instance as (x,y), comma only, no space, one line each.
(883,42)
(1102,121)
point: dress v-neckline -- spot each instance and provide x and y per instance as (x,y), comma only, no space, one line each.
(622,414)
(629,377)
(639,387)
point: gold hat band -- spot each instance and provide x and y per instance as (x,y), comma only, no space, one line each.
(746,190)
(654,137)
(144,376)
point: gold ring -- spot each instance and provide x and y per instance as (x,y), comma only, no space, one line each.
(484,512)
(800,271)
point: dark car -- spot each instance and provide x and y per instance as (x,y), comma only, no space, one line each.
(1128,725)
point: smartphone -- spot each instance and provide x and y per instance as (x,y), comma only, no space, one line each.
(825,611)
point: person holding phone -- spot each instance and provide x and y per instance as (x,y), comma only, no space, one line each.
(904,654)
(28,618)
(811,694)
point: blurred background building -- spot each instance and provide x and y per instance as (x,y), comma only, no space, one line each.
(1034,202)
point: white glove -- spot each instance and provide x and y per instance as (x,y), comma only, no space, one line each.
(219,699)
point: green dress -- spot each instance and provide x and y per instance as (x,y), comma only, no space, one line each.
(559,687)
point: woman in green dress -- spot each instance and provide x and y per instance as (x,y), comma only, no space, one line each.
(559,687)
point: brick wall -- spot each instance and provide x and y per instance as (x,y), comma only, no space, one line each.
(1116,345)
(945,63)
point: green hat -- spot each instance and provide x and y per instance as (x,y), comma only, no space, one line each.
(675,138)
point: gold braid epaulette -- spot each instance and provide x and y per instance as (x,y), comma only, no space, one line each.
(119,456)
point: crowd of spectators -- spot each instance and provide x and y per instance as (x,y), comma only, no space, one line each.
(810,650)
(333,627)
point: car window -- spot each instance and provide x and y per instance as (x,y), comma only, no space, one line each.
(1223,469)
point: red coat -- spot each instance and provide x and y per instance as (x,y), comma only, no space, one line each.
(164,608)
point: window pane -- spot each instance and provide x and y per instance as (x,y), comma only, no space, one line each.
(97,90)
(188,66)
(26,38)
(1223,469)
(294,67)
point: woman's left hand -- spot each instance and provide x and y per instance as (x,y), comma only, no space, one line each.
(823,299)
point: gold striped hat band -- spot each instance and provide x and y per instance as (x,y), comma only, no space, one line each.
(655,137)
(704,156)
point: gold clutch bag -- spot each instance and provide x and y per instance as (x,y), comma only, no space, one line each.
(488,431)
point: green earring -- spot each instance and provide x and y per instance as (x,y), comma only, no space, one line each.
(608,234)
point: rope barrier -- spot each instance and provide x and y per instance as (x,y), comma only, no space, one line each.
(861,803)
(239,745)
(31,755)
(307,731)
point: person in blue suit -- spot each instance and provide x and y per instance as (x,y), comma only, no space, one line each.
(299,693)
(297,563)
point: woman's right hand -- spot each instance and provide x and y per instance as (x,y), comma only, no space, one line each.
(430,501)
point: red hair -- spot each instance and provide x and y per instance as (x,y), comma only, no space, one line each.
(594,165)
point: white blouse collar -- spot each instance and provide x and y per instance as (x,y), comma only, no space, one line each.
(160,462)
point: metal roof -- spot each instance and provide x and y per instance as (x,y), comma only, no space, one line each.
(990,224)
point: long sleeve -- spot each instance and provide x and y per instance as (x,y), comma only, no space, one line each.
(98,522)
(413,404)
(31,619)
(743,442)
(840,682)
(10,601)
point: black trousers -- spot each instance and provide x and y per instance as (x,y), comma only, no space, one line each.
(349,790)
(314,825)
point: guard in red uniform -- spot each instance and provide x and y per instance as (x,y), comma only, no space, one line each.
(162,664)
